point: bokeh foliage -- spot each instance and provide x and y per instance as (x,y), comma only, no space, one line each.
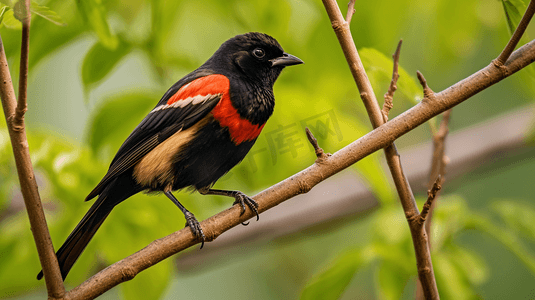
(444,41)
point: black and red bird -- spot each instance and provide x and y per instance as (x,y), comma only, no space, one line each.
(202,127)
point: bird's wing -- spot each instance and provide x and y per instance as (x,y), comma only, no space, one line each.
(184,104)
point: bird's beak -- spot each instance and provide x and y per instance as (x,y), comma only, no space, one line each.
(286,60)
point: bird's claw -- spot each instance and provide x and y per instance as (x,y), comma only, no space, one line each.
(242,200)
(195,227)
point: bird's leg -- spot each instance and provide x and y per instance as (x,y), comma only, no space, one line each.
(240,197)
(190,219)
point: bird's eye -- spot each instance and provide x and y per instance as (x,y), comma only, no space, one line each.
(259,53)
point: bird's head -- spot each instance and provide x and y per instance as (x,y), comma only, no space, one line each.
(255,55)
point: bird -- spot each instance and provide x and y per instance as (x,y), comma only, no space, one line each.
(201,128)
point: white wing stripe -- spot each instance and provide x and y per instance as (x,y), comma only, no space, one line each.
(190,100)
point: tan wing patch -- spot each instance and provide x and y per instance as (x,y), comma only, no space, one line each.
(156,168)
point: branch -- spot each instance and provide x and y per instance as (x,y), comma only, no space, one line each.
(431,194)
(350,11)
(303,181)
(389,96)
(517,35)
(24,17)
(14,112)
(341,28)
(317,149)
(428,92)
(502,134)
(438,162)
(423,255)
(436,177)
(438,170)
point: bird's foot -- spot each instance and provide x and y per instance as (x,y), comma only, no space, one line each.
(242,200)
(195,227)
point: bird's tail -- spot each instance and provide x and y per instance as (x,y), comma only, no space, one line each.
(75,244)
(116,190)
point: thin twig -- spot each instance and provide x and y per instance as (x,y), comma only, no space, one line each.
(350,11)
(444,125)
(423,255)
(439,160)
(517,35)
(314,142)
(428,92)
(389,96)
(431,194)
(14,112)
(22,106)
(377,139)
(438,165)
(422,80)
(436,178)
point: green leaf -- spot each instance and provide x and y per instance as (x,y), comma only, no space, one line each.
(94,13)
(100,61)
(8,178)
(390,227)
(391,280)
(2,12)
(46,13)
(518,216)
(379,68)
(61,35)
(514,10)
(450,280)
(513,13)
(448,219)
(10,21)
(374,175)
(17,256)
(331,283)
(508,238)
(106,131)
(20,10)
(470,264)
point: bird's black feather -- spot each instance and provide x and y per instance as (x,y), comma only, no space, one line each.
(153,130)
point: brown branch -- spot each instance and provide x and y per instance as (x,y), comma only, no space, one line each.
(438,170)
(341,28)
(428,92)
(22,106)
(438,164)
(431,194)
(517,35)
(425,215)
(317,149)
(439,159)
(389,96)
(502,134)
(14,112)
(423,255)
(303,181)
(350,11)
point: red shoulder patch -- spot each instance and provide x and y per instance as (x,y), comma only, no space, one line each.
(207,85)
(240,129)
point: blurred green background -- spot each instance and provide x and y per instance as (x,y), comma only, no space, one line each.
(97,67)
